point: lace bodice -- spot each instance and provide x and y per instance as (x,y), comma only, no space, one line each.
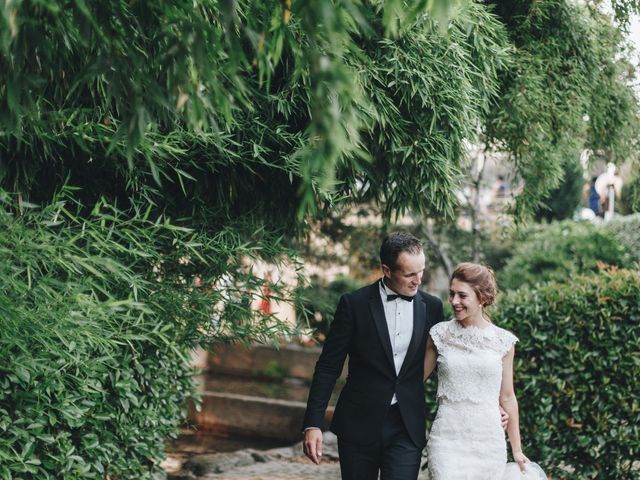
(470,361)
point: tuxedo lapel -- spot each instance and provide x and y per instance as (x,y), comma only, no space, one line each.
(419,322)
(377,312)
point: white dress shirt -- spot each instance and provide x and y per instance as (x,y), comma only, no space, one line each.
(399,316)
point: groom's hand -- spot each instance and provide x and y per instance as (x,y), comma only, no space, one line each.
(312,444)
(504,418)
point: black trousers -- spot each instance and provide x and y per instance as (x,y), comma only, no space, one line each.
(393,455)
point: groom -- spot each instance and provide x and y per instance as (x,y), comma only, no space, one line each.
(380,415)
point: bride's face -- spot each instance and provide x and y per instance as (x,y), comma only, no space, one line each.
(464,300)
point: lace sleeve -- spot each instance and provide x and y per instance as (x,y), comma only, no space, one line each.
(507,340)
(436,335)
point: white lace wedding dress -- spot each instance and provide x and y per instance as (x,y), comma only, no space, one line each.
(466,441)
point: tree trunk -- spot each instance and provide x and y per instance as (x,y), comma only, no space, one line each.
(445,260)
(474,205)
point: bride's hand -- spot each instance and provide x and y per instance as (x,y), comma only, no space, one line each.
(520,459)
(504,417)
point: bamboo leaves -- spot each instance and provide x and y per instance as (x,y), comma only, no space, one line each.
(97,337)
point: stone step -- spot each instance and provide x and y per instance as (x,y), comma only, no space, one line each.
(250,416)
(264,361)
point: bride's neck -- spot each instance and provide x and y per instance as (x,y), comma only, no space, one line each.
(476,321)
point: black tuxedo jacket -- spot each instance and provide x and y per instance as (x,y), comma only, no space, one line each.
(359,330)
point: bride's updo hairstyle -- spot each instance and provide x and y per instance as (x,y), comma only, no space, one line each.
(481,278)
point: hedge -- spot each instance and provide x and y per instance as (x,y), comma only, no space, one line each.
(577,369)
(562,250)
(98,318)
(627,229)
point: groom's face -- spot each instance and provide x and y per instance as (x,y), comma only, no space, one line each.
(407,276)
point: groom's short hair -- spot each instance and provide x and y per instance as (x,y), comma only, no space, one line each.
(396,243)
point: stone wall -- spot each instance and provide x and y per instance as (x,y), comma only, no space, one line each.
(297,361)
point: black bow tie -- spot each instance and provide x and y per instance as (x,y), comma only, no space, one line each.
(393,296)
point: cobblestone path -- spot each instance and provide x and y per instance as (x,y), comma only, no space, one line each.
(285,463)
(282,470)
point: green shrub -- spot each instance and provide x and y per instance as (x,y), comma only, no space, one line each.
(563,200)
(320,302)
(98,321)
(272,371)
(627,229)
(577,368)
(558,251)
(497,251)
(630,198)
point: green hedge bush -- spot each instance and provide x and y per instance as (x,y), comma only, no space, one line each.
(562,250)
(630,198)
(97,320)
(627,229)
(577,369)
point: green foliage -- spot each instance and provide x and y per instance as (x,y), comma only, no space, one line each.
(576,370)
(199,109)
(273,371)
(623,9)
(239,118)
(564,199)
(562,250)
(567,63)
(202,108)
(497,250)
(363,255)
(232,117)
(627,229)
(630,197)
(446,239)
(98,319)
(320,302)
(613,116)
(428,92)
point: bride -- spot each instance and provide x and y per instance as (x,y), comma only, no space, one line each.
(475,377)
